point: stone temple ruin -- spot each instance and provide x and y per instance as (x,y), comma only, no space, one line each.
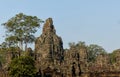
(49,47)
(49,53)
(53,61)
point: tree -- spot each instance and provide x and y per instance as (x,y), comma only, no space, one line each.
(93,51)
(4,45)
(21,29)
(81,44)
(114,56)
(77,45)
(71,44)
(22,67)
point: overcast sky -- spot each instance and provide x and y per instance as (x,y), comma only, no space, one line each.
(92,21)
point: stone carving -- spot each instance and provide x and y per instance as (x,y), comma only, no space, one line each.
(49,46)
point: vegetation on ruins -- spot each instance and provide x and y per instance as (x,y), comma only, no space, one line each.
(4,50)
(114,56)
(49,53)
(93,51)
(22,66)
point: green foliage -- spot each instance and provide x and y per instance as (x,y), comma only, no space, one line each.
(77,45)
(11,41)
(22,67)
(93,51)
(3,52)
(114,56)
(81,44)
(2,57)
(71,44)
(4,45)
(21,29)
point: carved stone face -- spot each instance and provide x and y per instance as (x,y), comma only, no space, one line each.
(49,44)
(48,27)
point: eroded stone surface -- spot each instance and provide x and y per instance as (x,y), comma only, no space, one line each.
(49,46)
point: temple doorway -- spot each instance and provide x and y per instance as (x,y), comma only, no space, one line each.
(48,72)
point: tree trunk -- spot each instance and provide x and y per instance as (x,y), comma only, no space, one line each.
(21,45)
(25,46)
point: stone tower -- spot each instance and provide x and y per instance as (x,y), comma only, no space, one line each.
(49,45)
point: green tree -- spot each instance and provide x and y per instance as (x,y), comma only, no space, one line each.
(21,29)
(22,67)
(77,45)
(72,44)
(93,51)
(81,44)
(4,45)
(114,55)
